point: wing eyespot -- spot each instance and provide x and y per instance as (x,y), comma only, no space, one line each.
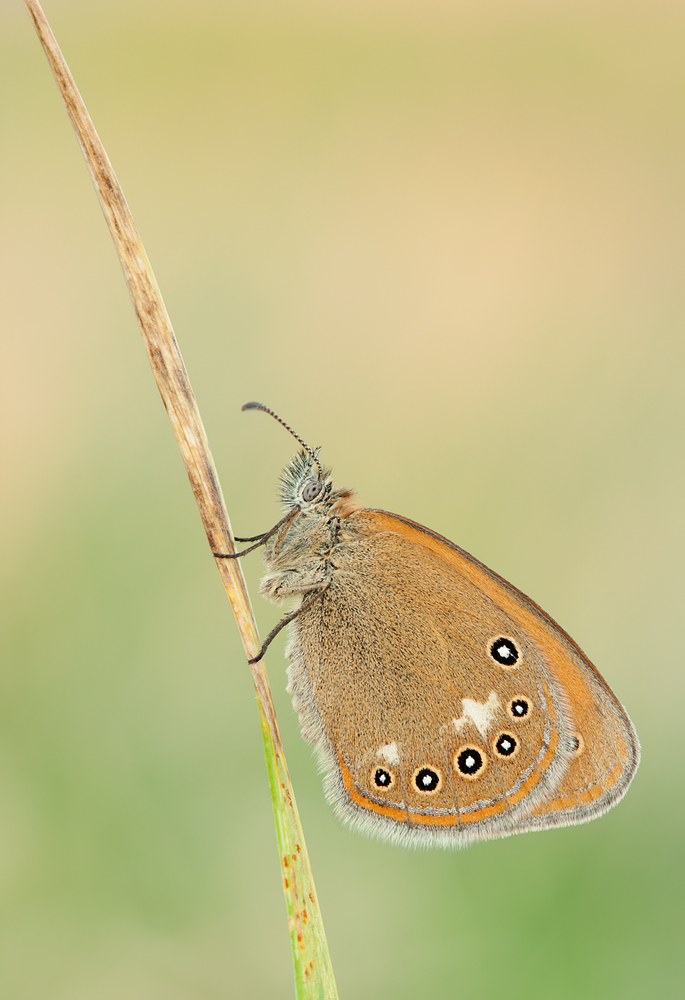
(506,745)
(428,780)
(382,778)
(520,707)
(504,651)
(470,762)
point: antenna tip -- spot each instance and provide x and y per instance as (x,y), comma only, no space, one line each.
(253,406)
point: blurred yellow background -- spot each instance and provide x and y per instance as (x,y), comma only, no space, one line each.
(445,241)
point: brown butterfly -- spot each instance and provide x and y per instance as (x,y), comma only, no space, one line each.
(445,706)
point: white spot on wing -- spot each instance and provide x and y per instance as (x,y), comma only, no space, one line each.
(389,753)
(479,713)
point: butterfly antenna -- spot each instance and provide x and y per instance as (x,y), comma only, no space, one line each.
(260,406)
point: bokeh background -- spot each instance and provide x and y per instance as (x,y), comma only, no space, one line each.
(445,241)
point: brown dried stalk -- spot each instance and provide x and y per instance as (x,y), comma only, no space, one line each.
(313,972)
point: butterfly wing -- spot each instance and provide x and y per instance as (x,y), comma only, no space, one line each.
(445,705)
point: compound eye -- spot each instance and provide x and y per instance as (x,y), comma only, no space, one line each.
(311,490)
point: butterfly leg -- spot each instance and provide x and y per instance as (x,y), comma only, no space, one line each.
(257,539)
(288,618)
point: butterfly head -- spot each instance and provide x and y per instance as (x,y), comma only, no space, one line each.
(304,483)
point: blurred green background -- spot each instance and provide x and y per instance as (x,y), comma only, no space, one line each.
(445,241)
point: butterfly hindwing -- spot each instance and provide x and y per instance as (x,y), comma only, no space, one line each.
(424,723)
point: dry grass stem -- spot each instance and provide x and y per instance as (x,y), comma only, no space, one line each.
(313,973)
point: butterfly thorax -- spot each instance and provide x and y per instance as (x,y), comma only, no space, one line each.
(300,555)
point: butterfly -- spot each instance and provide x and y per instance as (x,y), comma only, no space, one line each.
(444,705)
